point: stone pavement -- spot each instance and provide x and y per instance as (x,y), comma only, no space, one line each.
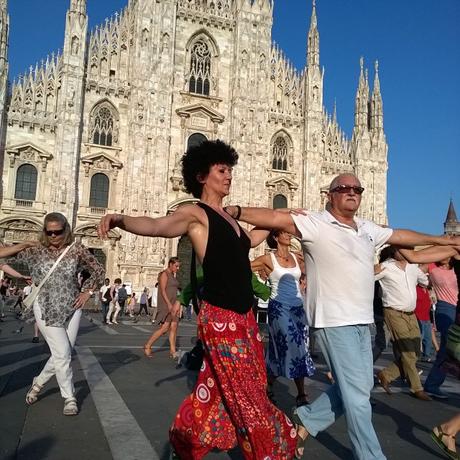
(128,401)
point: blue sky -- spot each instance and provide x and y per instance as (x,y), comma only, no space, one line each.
(417,45)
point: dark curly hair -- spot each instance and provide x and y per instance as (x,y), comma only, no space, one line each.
(272,243)
(198,160)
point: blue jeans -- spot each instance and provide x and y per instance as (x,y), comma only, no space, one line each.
(104,310)
(444,318)
(348,352)
(425,332)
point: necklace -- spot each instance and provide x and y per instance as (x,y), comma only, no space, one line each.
(286,258)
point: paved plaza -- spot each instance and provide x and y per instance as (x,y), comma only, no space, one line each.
(128,401)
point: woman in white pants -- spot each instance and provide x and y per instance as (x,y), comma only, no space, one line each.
(57,306)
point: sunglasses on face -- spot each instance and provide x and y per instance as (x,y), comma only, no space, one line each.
(348,189)
(55,232)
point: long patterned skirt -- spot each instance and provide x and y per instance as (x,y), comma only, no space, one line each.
(229,404)
(288,354)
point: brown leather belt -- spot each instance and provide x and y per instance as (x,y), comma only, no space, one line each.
(400,311)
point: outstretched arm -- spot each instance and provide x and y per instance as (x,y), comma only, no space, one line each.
(411,238)
(13,273)
(9,251)
(170,226)
(257,236)
(277,219)
(430,255)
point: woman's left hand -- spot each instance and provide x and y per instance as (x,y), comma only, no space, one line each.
(27,279)
(81,300)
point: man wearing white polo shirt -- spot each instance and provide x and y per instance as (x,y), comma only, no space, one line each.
(339,251)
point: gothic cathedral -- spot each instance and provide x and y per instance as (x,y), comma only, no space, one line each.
(101,126)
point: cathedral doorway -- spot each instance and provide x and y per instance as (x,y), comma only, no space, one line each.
(184,252)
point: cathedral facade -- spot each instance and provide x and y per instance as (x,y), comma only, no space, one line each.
(101,126)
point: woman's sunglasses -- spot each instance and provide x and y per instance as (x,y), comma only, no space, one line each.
(55,232)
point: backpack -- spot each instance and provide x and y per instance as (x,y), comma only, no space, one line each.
(193,359)
(107,297)
(122,294)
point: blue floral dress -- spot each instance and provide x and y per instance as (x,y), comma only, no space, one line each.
(288,348)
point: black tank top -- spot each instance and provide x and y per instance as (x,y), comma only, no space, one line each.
(226,267)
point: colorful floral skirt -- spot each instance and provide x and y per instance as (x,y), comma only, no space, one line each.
(229,404)
(288,355)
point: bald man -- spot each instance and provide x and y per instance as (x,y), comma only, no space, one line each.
(339,251)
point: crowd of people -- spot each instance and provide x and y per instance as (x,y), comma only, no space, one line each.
(328,292)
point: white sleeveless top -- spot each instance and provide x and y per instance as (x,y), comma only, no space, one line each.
(285,283)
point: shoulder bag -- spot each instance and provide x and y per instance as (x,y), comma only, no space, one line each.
(30,299)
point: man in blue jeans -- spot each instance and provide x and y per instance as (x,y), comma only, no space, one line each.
(339,251)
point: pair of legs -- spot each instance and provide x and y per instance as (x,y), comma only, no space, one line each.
(229,405)
(427,343)
(61,341)
(350,393)
(405,335)
(104,310)
(115,309)
(143,307)
(168,326)
(381,337)
(444,317)
(288,347)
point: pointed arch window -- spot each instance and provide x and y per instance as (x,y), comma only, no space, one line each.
(99,194)
(26,183)
(104,125)
(200,69)
(280,154)
(196,139)
(279,202)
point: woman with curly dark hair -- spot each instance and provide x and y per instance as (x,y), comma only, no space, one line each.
(229,404)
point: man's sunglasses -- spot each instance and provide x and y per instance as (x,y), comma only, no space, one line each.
(348,189)
(55,232)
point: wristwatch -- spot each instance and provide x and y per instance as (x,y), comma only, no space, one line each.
(90,292)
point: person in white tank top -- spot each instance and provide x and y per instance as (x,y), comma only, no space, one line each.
(288,354)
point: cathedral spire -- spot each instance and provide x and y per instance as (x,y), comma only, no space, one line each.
(313,40)
(451,214)
(362,99)
(78,6)
(376,103)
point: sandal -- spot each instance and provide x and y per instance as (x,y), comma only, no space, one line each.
(437,438)
(148,351)
(301,400)
(32,394)
(300,439)
(70,406)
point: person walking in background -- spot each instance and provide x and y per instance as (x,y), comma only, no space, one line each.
(167,311)
(399,280)
(444,282)
(114,306)
(153,301)
(57,307)
(288,346)
(105,299)
(122,297)
(228,405)
(422,312)
(143,301)
(131,305)
(444,278)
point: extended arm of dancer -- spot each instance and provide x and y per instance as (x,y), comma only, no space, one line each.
(410,238)
(169,226)
(13,273)
(430,255)
(276,219)
(10,251)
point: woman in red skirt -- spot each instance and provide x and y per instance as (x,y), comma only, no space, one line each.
(229,405)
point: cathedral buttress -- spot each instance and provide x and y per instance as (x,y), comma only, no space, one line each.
(4,32)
